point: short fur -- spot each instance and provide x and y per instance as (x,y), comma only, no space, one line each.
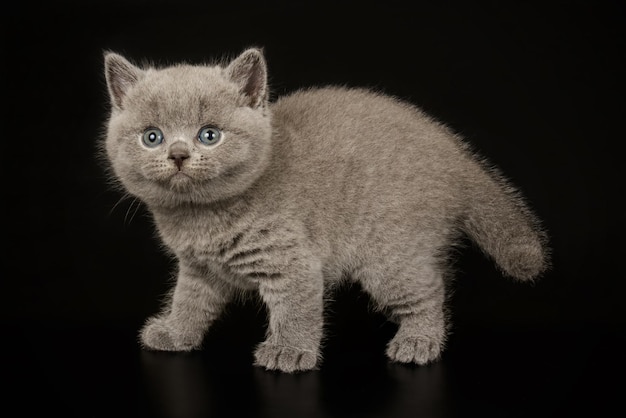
(322,185)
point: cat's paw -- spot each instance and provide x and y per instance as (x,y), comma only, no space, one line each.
(159,335)
(414,349)
(285,359)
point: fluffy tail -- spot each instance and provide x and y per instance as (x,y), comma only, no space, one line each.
(503,226)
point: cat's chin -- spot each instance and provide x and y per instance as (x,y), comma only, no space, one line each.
(180,181)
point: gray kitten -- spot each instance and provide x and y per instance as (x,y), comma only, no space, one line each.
(288,198)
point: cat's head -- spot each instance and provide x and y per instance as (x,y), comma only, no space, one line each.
(188,134)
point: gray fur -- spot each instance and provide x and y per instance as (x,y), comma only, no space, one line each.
(321,186)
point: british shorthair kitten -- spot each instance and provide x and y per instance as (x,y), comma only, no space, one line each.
(287,198)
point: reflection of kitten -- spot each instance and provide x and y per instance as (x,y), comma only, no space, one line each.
(323,185)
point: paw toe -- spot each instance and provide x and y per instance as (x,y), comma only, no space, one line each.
(283,358)
(419,350)
(157,335)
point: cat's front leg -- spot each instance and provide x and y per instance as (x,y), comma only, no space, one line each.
(194,305)
(295,303)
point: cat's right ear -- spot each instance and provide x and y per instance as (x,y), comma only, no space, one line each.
(121,76)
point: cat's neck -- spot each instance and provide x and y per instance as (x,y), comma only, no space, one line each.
(220,213)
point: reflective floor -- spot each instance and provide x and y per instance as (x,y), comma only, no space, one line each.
(99,371)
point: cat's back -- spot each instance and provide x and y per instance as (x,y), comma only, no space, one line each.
(358,125)
(332,110)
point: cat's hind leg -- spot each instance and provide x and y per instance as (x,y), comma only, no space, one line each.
(413,296)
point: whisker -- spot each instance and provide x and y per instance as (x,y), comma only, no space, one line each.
(126,220)
(136,209)
(121,199)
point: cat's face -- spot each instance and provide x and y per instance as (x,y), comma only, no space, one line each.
(188,133)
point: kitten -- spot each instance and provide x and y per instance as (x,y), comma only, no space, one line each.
(290,197)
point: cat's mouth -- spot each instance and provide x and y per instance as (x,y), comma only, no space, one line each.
(180,174)
(185,180)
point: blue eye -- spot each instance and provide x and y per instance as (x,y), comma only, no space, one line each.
(209,135)
(152,137)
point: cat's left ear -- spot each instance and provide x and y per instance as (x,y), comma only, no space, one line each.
(249,72)
(121,76)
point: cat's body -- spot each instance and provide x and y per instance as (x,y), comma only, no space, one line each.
(324,185)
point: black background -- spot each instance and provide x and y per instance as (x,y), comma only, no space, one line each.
(537,88)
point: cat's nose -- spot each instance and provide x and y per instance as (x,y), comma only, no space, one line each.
(178,153)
